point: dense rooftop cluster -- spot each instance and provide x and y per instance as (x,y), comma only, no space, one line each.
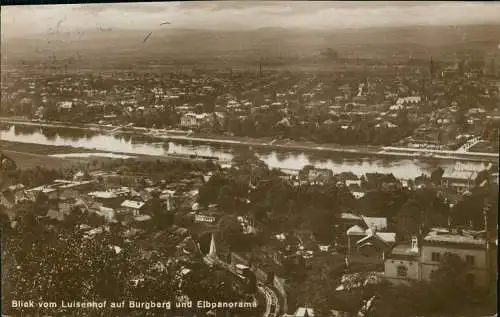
(369,106)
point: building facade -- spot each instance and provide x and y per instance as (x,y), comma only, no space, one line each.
(418,261)
(193,120)
(367,241)
(470,249)
(402,263)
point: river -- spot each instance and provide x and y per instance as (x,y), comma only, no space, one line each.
(138,144)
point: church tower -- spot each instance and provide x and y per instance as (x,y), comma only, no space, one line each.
(432,68)
(213,251)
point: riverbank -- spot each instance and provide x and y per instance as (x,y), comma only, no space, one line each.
(361,150)
(193,137)
(25,160)
(40,149)
(31,155)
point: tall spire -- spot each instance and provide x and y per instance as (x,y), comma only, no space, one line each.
(213,251)
(431,67)
(486,210)
(260,67)
(169,206)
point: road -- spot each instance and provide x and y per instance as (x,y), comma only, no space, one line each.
(442,152)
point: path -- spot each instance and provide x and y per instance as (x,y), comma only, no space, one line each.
(272,300)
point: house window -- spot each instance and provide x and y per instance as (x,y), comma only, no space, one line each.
(470,259)
(436,256)
(402,271)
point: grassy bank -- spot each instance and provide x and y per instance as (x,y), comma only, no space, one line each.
(40,149)
(31,155)
(26,160)
(269,142)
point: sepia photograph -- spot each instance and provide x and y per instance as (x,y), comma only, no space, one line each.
(249,159)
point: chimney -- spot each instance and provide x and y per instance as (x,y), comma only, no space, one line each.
(486,209)
(260,67)
(414,244)
(168,204)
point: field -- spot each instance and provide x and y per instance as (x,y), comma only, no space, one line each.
(29,155)
(39,149)
(27,160)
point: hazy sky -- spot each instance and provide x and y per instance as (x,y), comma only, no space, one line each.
(30,20)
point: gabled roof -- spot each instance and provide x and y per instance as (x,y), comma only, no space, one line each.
(385,237)
(143,218)
(378,223)
(304,312)
(355,230)
(444,236)
(132,204)
(457,174)
(349,216)
(103,195)
(15,187)
(403,250)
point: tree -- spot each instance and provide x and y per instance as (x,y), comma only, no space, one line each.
(6,163)
(322,223)
(228,198)
(398,301)
(247,160)
(5,224)
(437,175)
(450,281)
(461,120)
(304,172)
(330,54)
(481,177)
(154,205)
(317,288)
(451,271)
(469,210)
(41,205)
(409,219)
(209,192)
(232,234)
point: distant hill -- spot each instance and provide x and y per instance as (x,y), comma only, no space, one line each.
(169,44)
